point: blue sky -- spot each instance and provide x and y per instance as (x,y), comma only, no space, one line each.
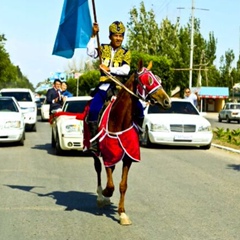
(30,27)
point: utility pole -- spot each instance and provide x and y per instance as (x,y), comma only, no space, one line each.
(192,41)
(192,45)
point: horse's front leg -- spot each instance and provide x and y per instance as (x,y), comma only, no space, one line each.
(101,200)
(124,219)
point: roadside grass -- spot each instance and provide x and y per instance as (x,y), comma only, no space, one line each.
(227,137)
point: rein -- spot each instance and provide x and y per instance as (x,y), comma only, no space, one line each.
(120,84)
(136,78)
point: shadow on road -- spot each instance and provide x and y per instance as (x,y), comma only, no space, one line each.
(48,148)
(73,200)
(234,166)
(163,147)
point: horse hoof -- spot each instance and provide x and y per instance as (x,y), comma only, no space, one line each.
(124,219)
(103,201)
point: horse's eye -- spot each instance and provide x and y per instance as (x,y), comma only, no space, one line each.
(150,80)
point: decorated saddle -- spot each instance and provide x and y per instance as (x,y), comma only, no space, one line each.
(114,145)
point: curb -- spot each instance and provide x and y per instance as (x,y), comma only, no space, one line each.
(225,148)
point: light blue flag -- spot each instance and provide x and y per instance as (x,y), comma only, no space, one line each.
(75,28)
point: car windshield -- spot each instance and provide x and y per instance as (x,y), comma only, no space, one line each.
(42,99)
(235,106)
(177,107)
(75,106)
(8,105)
(20,96)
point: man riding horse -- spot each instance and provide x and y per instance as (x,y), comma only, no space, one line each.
(115,60)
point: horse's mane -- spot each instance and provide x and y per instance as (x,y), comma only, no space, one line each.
(128,84)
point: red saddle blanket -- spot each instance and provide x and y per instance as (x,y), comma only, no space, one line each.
(114,146)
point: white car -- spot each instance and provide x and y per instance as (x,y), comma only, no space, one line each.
(181,125)
(39,101)
(230,112)
(67,131)
(12,125)
(27,102)
(45,110)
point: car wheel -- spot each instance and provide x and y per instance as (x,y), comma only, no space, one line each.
(59,151)
(53,142)
(228,120)
(146,139)
(34,128)
(219,119)
(206,147)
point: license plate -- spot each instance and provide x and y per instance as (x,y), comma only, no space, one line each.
(183,138)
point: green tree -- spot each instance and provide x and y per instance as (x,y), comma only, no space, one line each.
(10,75)
(161,67)
(226,78)
(7,71)
(173,42)
(87,81)
(143,31)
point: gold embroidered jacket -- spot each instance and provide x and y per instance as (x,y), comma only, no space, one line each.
(122,56)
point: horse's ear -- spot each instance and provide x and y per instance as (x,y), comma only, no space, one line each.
(149,65)
(140,65)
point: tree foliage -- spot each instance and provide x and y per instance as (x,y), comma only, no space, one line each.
(172,41)
(10,75)
(161,66)
(143,31)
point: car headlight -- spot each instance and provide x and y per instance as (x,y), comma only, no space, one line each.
(31,109)
(207,128)
(72,128)
(158,128)
(12,124)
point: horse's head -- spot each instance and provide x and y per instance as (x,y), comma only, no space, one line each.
(149,86)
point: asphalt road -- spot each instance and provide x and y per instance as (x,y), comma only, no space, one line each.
(213,119)
(173,194)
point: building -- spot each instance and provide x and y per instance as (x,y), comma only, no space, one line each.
(212,99)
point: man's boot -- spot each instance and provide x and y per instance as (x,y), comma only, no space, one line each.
(93,129)
(139,123)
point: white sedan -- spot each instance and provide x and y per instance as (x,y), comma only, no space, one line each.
(181,125)
(12,125)
(67,130)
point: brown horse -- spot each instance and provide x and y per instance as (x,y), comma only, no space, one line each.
(120,132)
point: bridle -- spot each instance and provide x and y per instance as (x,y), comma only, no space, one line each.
(148,83)
(144,91)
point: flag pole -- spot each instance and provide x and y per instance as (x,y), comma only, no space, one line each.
(98,41)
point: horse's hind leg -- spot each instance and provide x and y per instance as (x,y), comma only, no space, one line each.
(124,219)
(101,200)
